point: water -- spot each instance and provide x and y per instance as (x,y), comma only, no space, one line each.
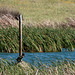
(41,58)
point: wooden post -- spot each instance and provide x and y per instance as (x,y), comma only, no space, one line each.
(20,35)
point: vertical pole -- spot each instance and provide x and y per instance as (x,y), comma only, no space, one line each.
(20,35)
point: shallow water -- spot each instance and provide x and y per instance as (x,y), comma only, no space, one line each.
(46,58)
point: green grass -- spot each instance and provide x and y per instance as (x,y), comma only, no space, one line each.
(41,10)
(65,68)
(36,39)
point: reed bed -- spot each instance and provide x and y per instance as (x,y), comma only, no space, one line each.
(37,39)
(65,68)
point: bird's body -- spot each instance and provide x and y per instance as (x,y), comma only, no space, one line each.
(19,59)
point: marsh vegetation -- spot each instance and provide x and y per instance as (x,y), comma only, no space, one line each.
(37,39)
(23,68)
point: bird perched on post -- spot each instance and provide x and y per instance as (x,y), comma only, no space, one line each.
(19,59)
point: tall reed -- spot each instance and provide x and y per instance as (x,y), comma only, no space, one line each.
(36,39)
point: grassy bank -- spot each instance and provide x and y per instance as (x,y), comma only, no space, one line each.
(36,39)
(65,68)
(41,10)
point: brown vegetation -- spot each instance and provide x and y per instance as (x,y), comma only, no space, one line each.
(8,18)
(70,22)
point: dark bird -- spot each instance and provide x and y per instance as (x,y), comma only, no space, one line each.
(19,59)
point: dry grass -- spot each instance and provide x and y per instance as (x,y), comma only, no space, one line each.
(27,69)
(8,18)
(39,10)
(12,12)
(70,22)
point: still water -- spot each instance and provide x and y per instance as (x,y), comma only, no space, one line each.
(44,58)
